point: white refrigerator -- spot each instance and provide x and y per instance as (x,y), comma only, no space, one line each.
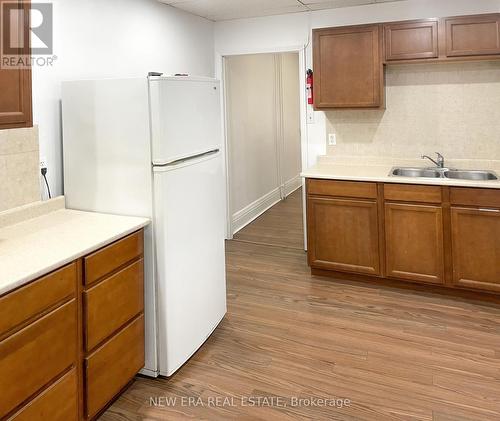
(151,147)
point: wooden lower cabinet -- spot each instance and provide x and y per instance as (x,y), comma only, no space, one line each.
(59,402)
(112,366)
(113,320)
(476,248)
(343,235)
(445,236)
(45,325)
(32,357)
(30,301)
(112,303)
(108,259)
(414,242)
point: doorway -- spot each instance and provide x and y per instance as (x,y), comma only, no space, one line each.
(263,146)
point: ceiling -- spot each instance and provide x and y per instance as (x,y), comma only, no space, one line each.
(217,10)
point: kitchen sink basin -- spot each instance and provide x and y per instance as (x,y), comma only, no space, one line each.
(452,174)
(416,172)
(471,175)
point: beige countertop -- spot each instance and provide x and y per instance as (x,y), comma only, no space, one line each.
(377,170)
(36,239)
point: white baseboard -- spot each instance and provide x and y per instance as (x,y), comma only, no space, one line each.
(251,212)
(292,185)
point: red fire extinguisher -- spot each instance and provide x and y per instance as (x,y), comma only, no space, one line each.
(309,87)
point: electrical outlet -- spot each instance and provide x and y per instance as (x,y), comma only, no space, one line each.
(310,115)
(332,139)
(43,162)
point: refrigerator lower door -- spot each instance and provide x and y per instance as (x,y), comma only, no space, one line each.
(189,220)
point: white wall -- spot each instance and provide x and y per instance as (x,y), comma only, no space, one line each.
(288,31)
(251,129)
(263,132)
(113,38)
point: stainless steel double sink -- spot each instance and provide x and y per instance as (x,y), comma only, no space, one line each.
(476,175)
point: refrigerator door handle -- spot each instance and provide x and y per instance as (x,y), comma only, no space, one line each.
(188,158)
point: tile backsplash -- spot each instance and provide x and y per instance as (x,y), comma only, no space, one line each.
(19,167)
(453,108)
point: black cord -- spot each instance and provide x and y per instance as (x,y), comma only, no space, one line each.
(44,172)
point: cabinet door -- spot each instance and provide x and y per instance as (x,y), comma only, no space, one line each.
(414,242)
(473,35)
(411,40)
(348,67)
(15,84)
(343,235)
(476,248)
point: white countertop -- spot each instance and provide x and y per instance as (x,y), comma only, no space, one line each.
(362,169)
(34,247)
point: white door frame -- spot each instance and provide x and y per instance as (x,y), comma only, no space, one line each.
(220,74)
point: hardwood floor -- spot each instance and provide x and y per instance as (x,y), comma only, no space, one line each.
(282,225)
(396,354)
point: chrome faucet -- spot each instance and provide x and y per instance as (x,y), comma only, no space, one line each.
(440,160)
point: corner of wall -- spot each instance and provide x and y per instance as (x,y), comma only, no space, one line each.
(19,157)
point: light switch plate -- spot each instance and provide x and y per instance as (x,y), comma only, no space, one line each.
(332,139)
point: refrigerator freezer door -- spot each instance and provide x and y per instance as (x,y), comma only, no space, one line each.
(185,117)
(189,218)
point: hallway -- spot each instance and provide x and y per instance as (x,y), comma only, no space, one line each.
(280,226)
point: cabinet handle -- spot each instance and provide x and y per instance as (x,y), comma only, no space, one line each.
(490,210)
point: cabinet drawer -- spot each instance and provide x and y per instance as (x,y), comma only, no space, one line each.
(475,197)
(29,301)
(342,188)
(412,193)
(110,258)
(113,302)
(59,402)
(35,355)
(113,365)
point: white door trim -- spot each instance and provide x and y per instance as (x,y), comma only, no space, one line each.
(220,74)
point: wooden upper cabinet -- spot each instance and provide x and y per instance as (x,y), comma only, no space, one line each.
(476,248)
(348,67)
(15,84)
(473,35)
(411,40)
